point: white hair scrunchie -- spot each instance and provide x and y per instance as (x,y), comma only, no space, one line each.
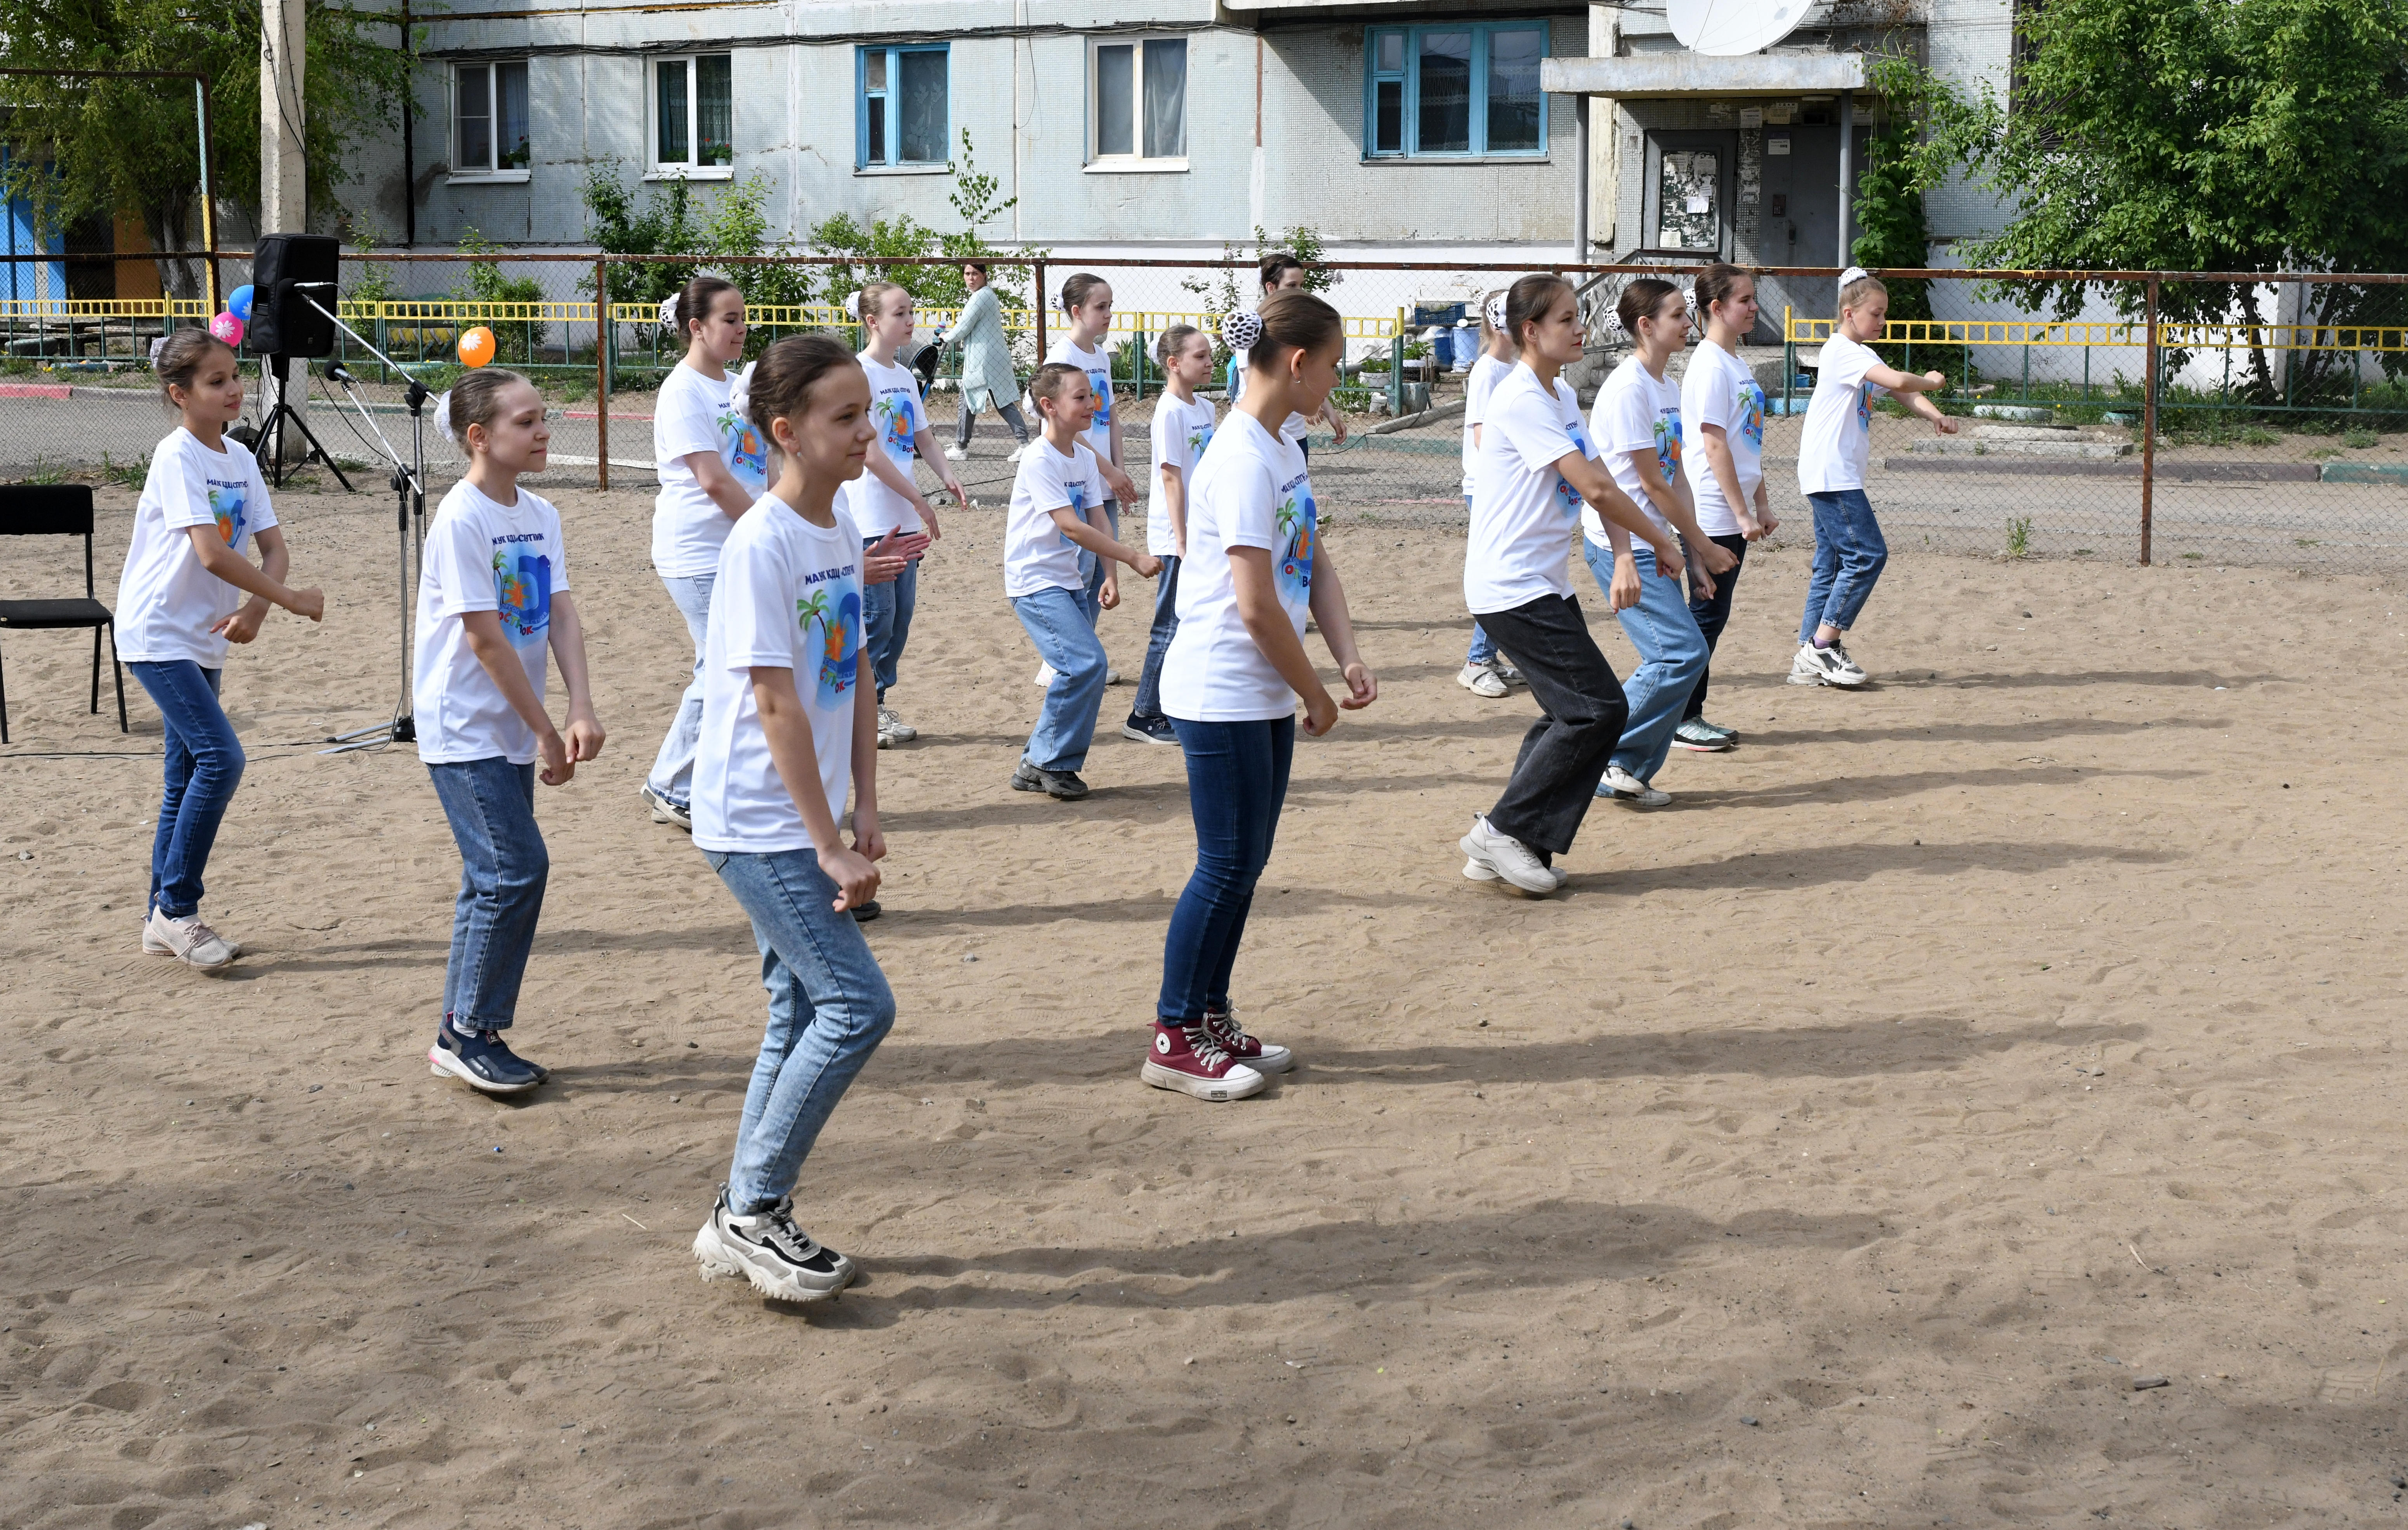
(443,417)
(1242,331)
(669,312)
(739,393)
(1852,275)
(1496,312)
(853,304)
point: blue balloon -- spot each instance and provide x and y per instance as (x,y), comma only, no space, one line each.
(239,303)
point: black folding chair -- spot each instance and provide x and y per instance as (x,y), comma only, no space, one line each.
(58,510)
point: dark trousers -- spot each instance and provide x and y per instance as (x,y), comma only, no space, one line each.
(1581,714)
(1713,613)
(1237,782)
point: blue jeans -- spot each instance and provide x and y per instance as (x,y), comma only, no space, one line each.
(1091,567)
(503,867)
(1158,642)
(1849,553)
(1062,625)
(1482,650)
(886,621)
(1237,781)
(1671,654)
(672,776)
(204,764)
(829,1007)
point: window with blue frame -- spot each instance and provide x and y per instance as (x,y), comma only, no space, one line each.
(1467,88)
(904,115)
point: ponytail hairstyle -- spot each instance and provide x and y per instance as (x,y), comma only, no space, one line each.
(1288,320)
(177,359)
(1079,289)
(871,298)
(1050,380)
(693,301)
(1642,300)
(1275,267)
(1715,285)
(1172,339)
(780,381)
(475,399)
(1857,284)
(1528,300)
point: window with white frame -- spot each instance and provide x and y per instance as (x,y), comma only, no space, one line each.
(1139,108)
(902,108)
(1462,88)
(489,120)
(694,113)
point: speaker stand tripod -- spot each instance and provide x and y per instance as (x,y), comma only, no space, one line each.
(272,435)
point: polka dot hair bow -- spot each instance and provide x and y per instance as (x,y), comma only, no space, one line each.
(669,312)
(1853,274)
(443,414)
(1242,331)
(1496,312)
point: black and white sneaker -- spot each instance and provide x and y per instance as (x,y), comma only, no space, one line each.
(1825,667)
(1153,729)
(483,1061)
(767,1248)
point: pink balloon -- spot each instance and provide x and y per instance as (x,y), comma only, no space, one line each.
(226,328)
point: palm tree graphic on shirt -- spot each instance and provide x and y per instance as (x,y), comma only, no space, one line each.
(1297,523)
(839,656)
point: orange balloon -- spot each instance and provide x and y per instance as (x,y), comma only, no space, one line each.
(476,347)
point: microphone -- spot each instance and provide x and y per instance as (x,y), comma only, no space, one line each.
(337,372)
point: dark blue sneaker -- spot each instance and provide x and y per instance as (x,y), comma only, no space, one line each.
(483,1061)
(1153,729)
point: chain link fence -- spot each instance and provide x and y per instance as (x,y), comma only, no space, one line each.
(2280,407)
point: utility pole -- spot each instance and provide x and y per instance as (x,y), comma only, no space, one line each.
(283,172)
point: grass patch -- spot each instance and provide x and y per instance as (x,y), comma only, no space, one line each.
(2019,537)
(2360,440)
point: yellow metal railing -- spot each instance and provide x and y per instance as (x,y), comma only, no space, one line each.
(2082,332)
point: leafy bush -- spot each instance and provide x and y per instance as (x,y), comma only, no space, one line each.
(514,340)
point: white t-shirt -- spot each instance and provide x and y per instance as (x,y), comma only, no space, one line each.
(1636,411)
(1181,433)
(1293,428)
(1486,373)
(894,404)
(693,414)
(1036,554)
(1523,511)
(483,557)
(166,603)
(788,596)
(1839,422)
(1098,366)
(1717,390)
(1250,492)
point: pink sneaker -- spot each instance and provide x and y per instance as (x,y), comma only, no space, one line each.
(1192,1063)
(1222,1025)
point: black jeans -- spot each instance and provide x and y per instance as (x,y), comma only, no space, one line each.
(1713,613)
(1581,714)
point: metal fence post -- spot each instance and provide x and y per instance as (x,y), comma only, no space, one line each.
(602,372)
(2149,428)
(1039,306)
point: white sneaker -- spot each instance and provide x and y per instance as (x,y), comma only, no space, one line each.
(1017,453)
(779,1259)
(1825,667)
(187,940)
(1623,786)
(1111,676)
(1806,668)
(1849,672)
(891,725)
(1044,676)
(1477,870)
(1506,673)
(1506,857)
(1482,680)
(957,453)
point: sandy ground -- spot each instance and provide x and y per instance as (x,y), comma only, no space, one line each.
(1841,1149)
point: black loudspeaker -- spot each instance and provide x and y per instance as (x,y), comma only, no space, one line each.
(286,270)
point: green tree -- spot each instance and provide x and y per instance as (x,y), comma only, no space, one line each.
(485,282)
(1892,236)
(2188,135)
(1236,286)
(733,226)
(83,149)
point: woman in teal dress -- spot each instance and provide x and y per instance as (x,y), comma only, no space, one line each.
(988,381)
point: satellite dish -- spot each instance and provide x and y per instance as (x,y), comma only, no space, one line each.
(1729,28)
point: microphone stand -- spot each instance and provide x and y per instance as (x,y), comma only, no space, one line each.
(408,480)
